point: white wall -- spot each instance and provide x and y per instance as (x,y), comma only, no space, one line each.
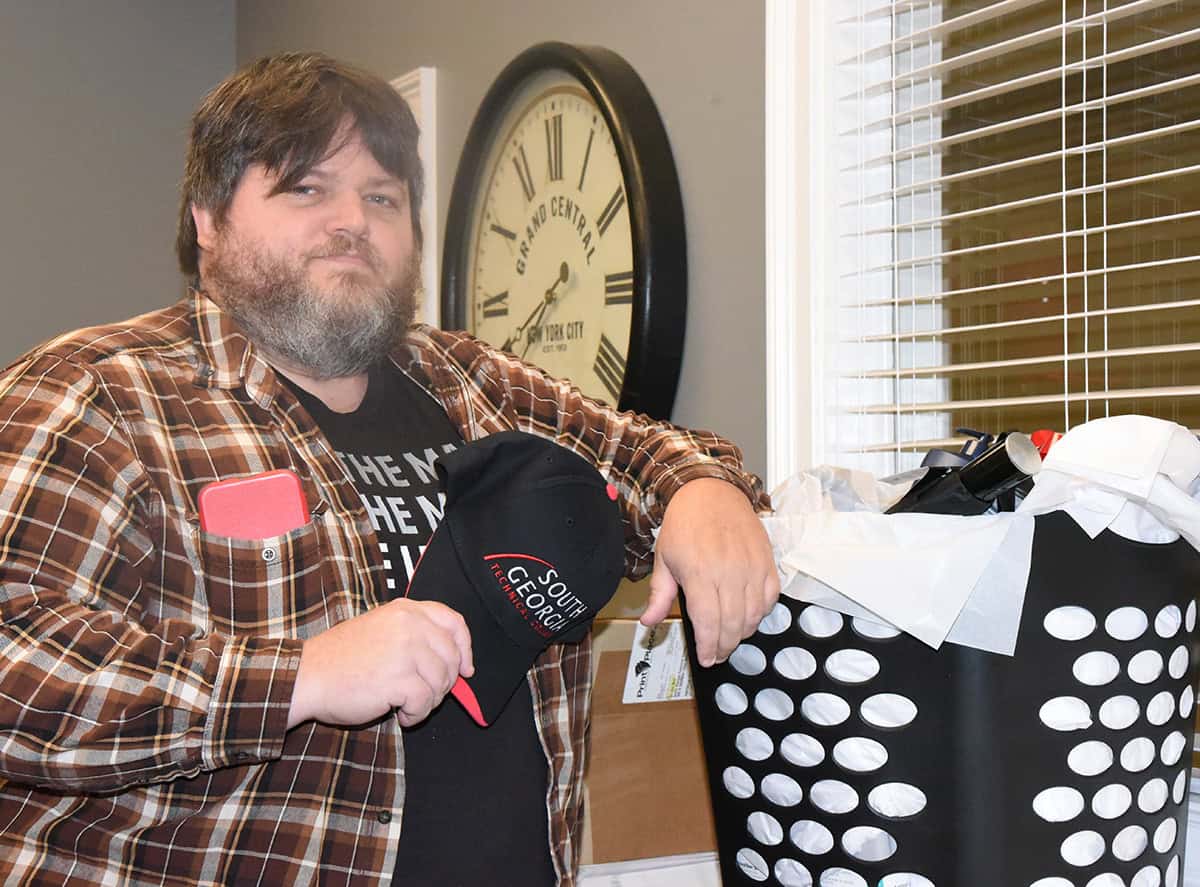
(95,104)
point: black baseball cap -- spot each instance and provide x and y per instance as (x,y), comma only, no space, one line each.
(529,549)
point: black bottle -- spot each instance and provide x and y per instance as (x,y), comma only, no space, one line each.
(972,488)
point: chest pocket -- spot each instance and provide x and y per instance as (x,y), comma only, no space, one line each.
(273,587)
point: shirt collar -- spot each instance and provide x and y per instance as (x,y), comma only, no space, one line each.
(227,359)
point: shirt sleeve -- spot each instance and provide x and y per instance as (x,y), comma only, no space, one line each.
(648,460)
(97,691)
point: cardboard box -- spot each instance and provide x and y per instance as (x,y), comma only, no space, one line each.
(646,792)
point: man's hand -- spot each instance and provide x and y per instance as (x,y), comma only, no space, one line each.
(404,654)
(713,544)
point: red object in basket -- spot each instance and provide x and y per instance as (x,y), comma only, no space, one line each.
(1044,439)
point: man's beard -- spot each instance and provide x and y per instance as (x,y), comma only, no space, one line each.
(324,333)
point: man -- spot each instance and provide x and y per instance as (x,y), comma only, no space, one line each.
(183,707)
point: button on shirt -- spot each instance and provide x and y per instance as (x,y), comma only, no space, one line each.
(147,666)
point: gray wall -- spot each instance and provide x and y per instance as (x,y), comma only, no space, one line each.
(702,62)
(95,104)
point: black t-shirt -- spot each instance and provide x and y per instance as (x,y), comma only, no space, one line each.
(475,798)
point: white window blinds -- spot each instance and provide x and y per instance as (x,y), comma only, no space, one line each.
(1018,219)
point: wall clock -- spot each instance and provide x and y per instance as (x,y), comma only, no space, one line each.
(564,237)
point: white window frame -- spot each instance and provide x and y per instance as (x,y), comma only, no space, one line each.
(798,222)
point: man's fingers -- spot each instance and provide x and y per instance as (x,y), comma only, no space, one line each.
(704,611)
(733,617)
(770,592)
(663,590)
(439,664)
(453,622)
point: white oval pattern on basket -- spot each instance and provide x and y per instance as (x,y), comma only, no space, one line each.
(1119,712)
(868,843)
(1112,801)
(1160,709)
(752,864)
(1146,877)
(888,710)
(1172,748)
(1180,787)
(1130,843)
(819,622)
(1168,621)
(895,800)
(1137,755)
(1145,667)
(1164,835)
(833,796)
(795,664)
(776,622)
(1066,713)
(731,699)
(1090,758)
(825,709)
(754,744)
(1152,796)
(775,705)
(1058,804)
(1083,848)
(1171,879)
(1178,663)
(1108,879)
(790,873)
(1069,623)
(1051,882)
(1189,618)
(873,630)
(860,754)
(782,790)
(1096,668)
(852,666)
(802,750)
(764,828)
(905,879)
(738,782)
(747,659)
(1187,702)
(1126,624)
(811,837)
(839,877)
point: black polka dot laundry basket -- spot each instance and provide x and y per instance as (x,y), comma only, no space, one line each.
(844,754)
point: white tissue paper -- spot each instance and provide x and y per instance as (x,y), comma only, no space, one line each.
(962,579)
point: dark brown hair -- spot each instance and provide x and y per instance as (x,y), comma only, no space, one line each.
(285,111)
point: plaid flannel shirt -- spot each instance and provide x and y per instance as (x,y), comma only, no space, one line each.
(146,667)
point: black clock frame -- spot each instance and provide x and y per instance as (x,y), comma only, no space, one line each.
(652,196)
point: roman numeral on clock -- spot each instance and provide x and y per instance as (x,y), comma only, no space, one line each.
(504,232)
(521,163)
(554,148)
(609,367)
(618,288)
(610,210)
(496,306)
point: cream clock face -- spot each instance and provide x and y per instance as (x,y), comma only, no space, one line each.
(550,273)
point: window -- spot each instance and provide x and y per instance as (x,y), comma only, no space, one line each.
(1017,204)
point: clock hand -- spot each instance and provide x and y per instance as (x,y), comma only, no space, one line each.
(563,273)
(516,333)
(535,316)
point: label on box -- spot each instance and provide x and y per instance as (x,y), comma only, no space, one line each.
(658,664)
